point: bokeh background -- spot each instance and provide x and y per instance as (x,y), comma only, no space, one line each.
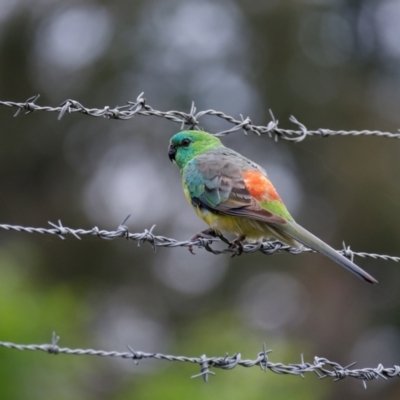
(331,64)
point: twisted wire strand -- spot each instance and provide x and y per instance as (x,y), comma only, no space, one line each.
(322,367)
(268,247)
(191,119)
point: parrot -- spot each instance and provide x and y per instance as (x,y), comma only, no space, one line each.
(234,195)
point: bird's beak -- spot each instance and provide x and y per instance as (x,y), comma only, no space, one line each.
(171,152)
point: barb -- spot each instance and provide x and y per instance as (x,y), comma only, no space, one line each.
(191,119)
(322,367)
(268,247)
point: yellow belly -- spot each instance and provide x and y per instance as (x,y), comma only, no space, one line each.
(253,230)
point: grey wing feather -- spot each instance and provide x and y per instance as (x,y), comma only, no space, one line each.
(220,186)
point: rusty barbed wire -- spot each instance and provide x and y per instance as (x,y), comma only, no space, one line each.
(191,119)
(122,231)
(321,366)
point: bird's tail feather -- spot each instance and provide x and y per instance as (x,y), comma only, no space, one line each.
(295,231)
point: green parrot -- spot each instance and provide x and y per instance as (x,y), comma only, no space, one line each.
(233,194)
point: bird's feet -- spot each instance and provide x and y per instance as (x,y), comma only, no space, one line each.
(237,246)
(206,234)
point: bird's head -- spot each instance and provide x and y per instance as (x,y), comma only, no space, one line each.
(186,145)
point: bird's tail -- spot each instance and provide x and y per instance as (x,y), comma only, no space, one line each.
(295,231)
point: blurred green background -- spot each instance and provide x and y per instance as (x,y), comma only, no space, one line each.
(332,64)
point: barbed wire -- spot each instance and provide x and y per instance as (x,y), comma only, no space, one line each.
(191,119)
(322,367)
(122,231)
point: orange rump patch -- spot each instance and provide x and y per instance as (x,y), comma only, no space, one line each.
(259,186)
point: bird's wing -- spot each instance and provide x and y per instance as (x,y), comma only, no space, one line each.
(237,187)
(233,187)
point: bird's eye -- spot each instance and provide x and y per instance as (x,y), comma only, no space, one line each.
(185,142)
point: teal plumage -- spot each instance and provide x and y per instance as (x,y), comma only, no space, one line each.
(233,194)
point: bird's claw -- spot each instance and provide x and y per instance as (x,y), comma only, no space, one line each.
(190,248)
(236,246)
(207,234)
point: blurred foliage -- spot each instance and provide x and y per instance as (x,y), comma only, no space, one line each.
(332,64)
